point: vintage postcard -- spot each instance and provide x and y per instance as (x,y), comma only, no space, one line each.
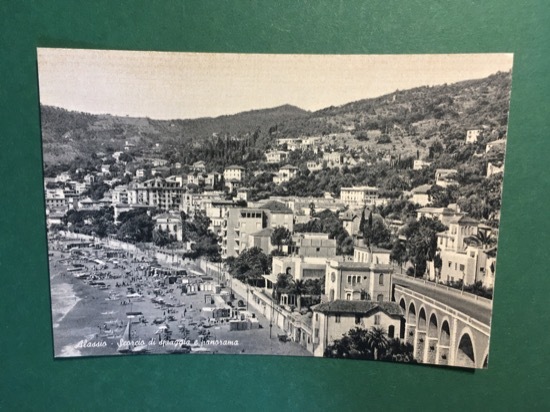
(342,206)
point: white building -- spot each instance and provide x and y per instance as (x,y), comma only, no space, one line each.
(286,173)
(359,196)
(472,135)
(421,195)
(420,164)
(331,320)
(495,144)
(235,173)
(171,224)
(276,156)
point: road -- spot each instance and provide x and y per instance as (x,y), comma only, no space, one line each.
(480,311)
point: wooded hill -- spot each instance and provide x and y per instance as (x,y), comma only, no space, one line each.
(402,122)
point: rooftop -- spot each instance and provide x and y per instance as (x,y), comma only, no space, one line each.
(358,307)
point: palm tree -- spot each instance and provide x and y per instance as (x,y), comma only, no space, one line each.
(299,290)
(377,341)
(485,239)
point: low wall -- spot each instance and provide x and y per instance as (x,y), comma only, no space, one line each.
(465,295)
(257,301)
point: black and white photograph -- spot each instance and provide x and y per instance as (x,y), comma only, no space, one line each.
(337,206)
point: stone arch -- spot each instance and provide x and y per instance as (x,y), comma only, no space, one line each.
(433,326)
(445,333)
(422,319)
(465,350)
(411,314)
(403,305)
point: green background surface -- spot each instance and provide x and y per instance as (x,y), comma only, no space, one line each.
(518,374)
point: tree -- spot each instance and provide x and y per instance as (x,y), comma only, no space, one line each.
(484,239)
(136,227)
(362,222)
(312,209)
(377,341)
(161,237)
(281,236)
(421,243)
(250,265)
(376,233)
(299,290)
(284,284)
(399,253)
(372,344)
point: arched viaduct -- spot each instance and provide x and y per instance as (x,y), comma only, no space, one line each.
(440,334)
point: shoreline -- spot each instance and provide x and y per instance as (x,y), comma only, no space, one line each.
(95,324)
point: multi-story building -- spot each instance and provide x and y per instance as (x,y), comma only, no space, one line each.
(166,194)
(276,156)
(314,165)
(313,245)
(120,195)
(171,224)
(333,159)
(359,196)
(300,267)
(212,180)
(367,277)
(238,225)
(333,319)
(234,173)
(286,173)
(351,222)
(56,199)
(216,210)
(463,256)
(472,135)
(421,195)
(193,202)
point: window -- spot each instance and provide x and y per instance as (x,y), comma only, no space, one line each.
(357,319)
(333,276)
(391,331)
(348,296)
(380,298)
(318,249)
(349,279)
(317,317)
(377,319)
(381,279)
(461,267)
(337,319)
(317,333)
(450,263)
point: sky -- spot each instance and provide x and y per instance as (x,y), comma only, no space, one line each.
(162,85)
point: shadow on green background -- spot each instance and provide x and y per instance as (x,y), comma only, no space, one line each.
(517,378)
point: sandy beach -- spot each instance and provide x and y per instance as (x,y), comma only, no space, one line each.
(92,320)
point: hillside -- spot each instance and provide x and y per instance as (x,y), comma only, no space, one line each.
(401,123)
